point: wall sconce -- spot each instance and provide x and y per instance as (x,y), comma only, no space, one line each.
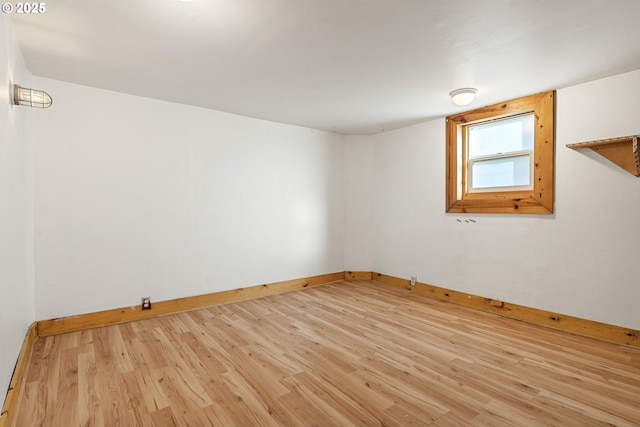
(31,97)
(463,96)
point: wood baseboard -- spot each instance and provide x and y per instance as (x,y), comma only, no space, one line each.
(14,394)
(160,308)
(358,275)
(590,328)
(612,333)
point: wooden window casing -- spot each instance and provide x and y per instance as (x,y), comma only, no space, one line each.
(538,200)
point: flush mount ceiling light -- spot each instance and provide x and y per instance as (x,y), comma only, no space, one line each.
(463,96)
(31,97)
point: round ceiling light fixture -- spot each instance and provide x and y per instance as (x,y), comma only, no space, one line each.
(463,96)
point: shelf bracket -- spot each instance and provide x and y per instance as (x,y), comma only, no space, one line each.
(621,151)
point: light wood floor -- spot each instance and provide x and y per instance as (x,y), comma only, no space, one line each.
(351,353)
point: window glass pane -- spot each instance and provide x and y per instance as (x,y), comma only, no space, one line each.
(503,172)
(501,136)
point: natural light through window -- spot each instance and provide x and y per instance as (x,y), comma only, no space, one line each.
(500,155)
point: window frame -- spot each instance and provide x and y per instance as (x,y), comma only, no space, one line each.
(538,200)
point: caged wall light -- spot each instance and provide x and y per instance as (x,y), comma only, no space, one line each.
(31,97)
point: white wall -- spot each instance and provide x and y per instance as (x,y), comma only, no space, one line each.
(16,207)
(581,261)
(358,163)
(138,197)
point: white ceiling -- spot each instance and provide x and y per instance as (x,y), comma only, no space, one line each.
(355,66)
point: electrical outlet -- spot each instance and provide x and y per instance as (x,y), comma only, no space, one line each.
(146,303)
(413,280)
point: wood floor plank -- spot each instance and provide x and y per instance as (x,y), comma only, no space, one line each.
(354,353)
(163,418)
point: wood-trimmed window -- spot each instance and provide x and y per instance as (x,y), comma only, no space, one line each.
(534,195)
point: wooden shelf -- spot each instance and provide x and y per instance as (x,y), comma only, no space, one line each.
(621,151)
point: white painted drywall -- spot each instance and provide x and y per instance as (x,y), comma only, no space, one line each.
(581,261)
(16,207)
(358,163)
(138,197)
